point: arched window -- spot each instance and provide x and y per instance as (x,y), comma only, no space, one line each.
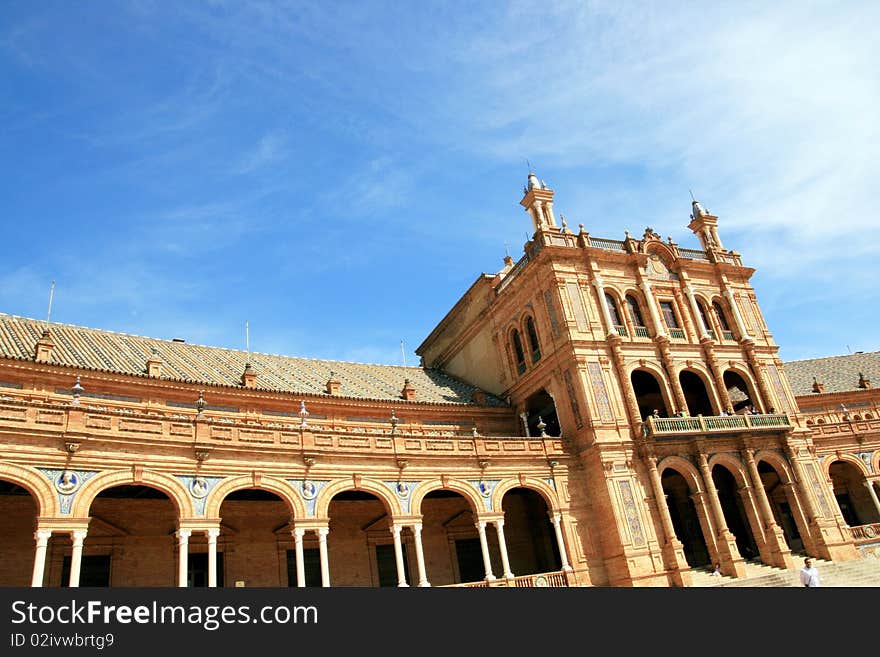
(614,314)
(533,340)
(705,318)
(518,352)
(722,319)
(668,314)
(635,315)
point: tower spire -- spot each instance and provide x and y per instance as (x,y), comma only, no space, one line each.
(538,202)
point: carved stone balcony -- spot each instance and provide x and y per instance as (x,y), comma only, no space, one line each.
(673,427)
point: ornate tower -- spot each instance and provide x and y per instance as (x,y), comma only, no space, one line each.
(705,227)
(538,202)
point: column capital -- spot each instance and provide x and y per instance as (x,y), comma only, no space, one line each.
(212,534)
(42,535)
(79,535)
(417,527)
(395,529)
(183,534)
(298,533)
(322,532)
(499,522)
(481,525)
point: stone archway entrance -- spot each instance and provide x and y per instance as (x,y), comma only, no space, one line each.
(529,534)
(130,541)
(255,546)
(360,545)
(739,392)
(451,542)
(735,516)
(18,514)
(685,519)
(852,495)
(780,504)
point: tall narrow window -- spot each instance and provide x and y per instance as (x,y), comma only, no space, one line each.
(518,352)
(668,314)
(635,314)
(722,318)
(533,340)
(612,310)
(703,316)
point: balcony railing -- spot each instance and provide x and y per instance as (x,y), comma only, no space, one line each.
(666,426)
(727,335)
(866,533)
(621,330)
(677,333)
(557,579)
(642,331)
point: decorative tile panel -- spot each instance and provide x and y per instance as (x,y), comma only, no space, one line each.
(598,383)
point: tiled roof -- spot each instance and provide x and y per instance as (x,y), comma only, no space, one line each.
(837,373)
(121,353)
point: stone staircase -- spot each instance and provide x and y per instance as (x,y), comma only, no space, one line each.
(858,573)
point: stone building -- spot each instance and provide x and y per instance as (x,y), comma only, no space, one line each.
(600,412)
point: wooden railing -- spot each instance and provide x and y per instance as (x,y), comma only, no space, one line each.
(715,424)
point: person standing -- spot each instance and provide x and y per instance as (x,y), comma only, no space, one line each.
(809,574)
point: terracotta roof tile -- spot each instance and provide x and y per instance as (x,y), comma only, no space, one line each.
(128,354)
(837,373)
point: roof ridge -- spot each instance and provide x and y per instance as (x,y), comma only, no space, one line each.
(803,360)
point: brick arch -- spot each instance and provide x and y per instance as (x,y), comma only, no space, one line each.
(685,468)
(377,488)
(658,373)
(34,482)
(700,369)
(160,481)
(456,485)
(754,393)
(852,459)
(667,255)
(779,463)
(736,467)
(244,482)
(540,487)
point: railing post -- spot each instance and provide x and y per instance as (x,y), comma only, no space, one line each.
(702,423)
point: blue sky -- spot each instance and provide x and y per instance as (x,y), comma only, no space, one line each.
(338,174)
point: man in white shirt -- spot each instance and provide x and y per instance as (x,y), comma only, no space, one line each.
(809,574)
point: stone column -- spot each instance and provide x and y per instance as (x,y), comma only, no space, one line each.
(659,326)
(695,309)
(800,516)
(672,546)
(212,556)
(731,559)
(737,317)
(420,555)
(42,538)
(674,382)
(706,524)
(525,420)
(182,556)
(78,535)
(780,553)
(502,546)
(717,374)
(603,305)
(487,562)
(300,564)
(322,548)
(870,486)
(560,541)
(398,556)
